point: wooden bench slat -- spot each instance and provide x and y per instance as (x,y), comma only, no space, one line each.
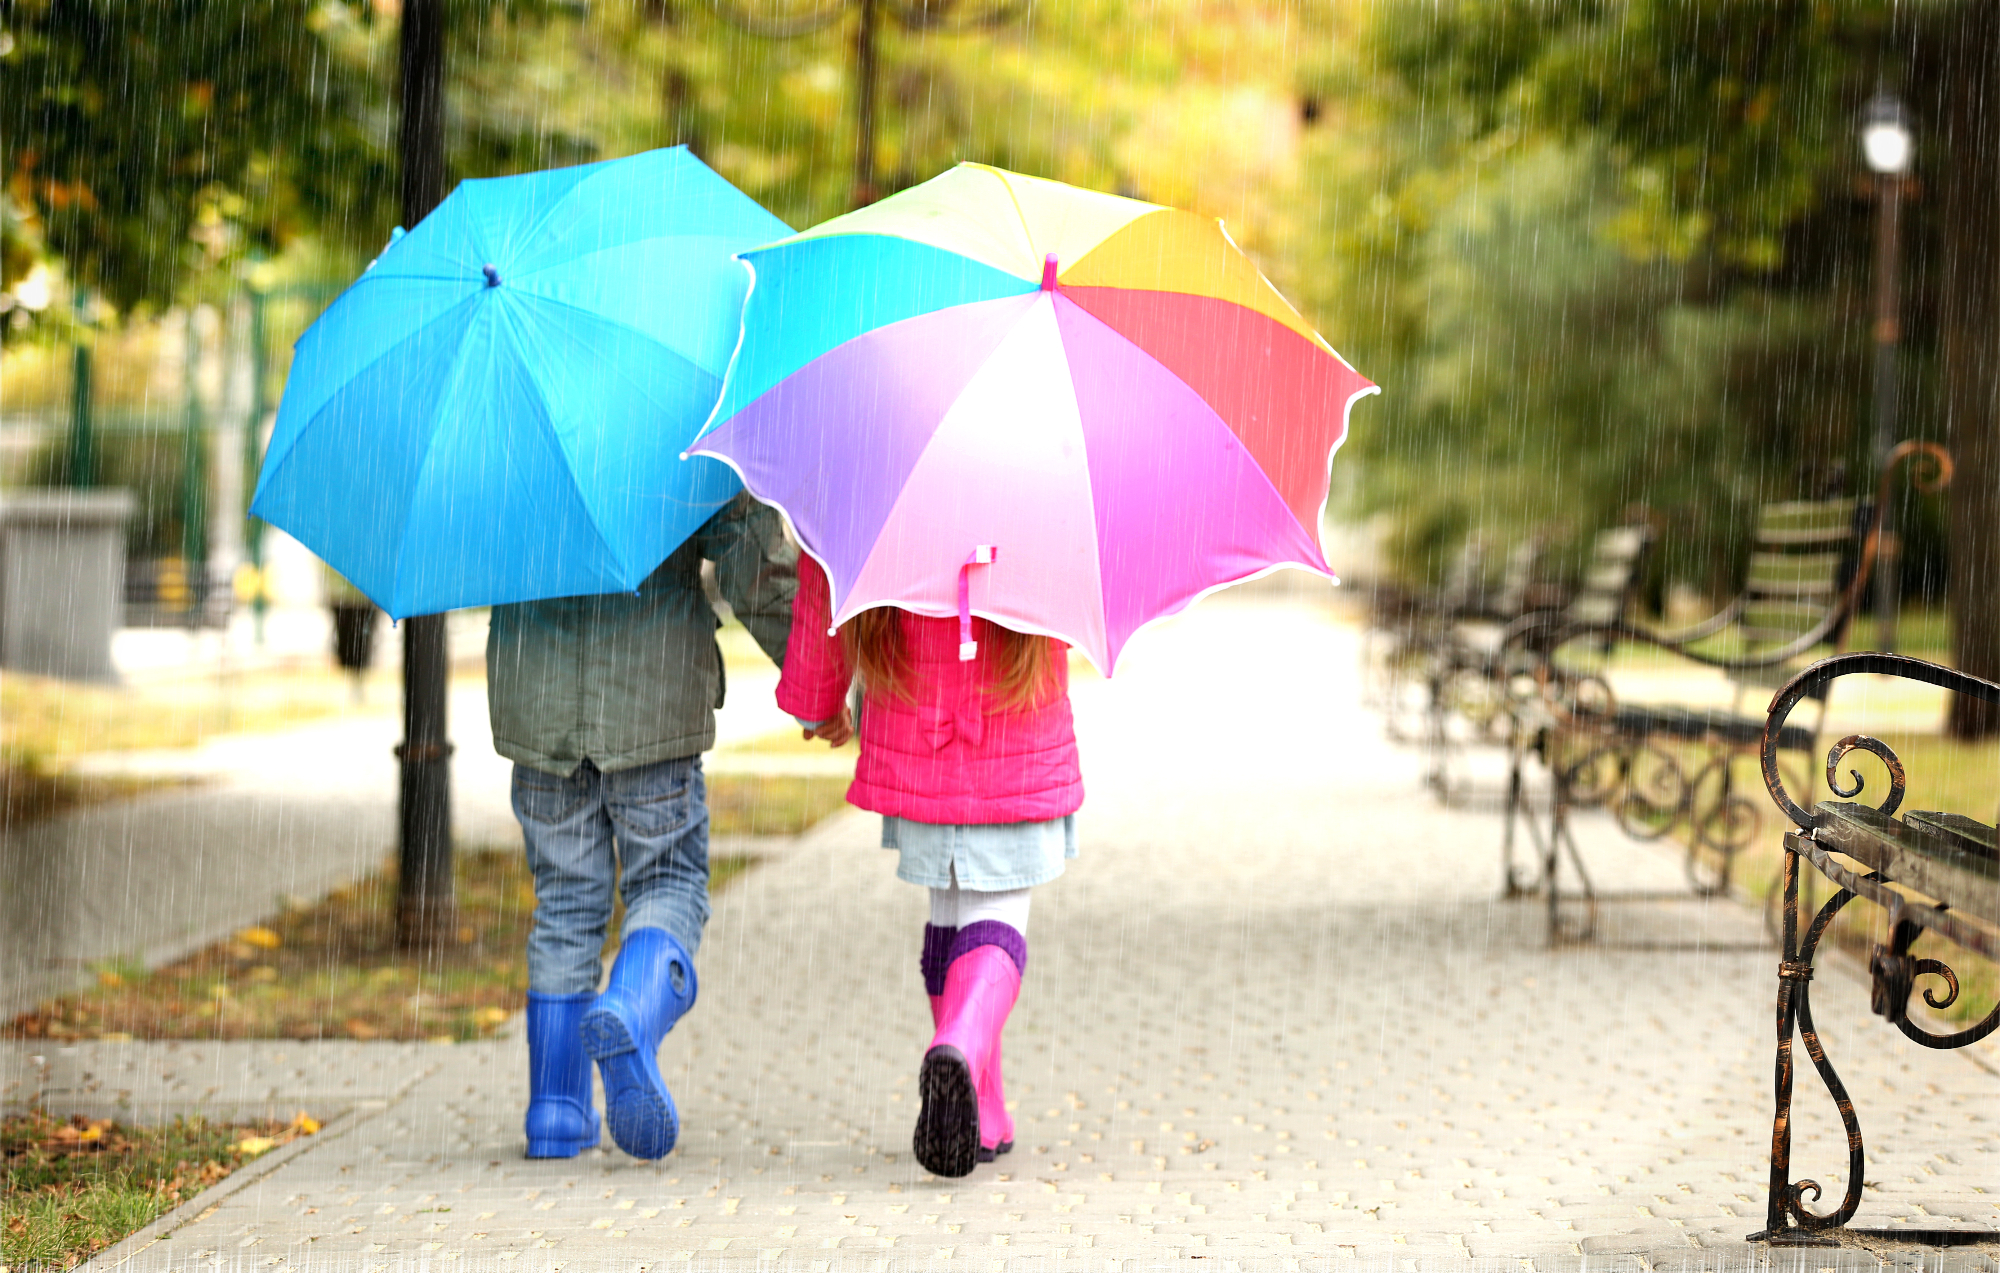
(1970,834)
(1789,566)
(1806,515)
(1781,589)
(1595,608)
(1912,856)
(1797,538)
(1621,541)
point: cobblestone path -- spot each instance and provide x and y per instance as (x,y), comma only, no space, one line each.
(1275,1011)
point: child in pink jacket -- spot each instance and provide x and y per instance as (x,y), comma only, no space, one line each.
(972,765)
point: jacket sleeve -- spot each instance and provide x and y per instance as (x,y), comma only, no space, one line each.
(756,569)
(816,675)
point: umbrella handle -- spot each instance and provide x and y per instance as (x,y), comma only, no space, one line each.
(983,555)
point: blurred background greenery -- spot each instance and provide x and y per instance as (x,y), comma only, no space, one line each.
(1600,255)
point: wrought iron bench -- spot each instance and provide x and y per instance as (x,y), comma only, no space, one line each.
(1472,678)
(1809,569)
(1406,627)
(1458,681)
(1936,872)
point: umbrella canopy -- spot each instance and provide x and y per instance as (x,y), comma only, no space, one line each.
(1076,411)
(495,411)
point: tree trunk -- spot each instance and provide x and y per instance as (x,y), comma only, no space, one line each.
(1964,161)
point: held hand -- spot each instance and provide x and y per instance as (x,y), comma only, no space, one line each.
(837,731)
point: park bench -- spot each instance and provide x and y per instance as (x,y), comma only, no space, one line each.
(164,592)
(1934,872)
(1454,685)
(1406,625)
(1474,678)
(1664,769)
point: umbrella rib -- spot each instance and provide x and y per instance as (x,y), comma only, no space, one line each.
(1027,234)
(554,437)
(548,423)
(549,212)
(622,325)
(277,455)
(575,262)
(430,451)
(1346,409)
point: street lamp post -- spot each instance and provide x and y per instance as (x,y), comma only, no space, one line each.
(425,915)
(1887,146)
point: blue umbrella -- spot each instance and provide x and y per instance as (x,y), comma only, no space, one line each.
(495,411)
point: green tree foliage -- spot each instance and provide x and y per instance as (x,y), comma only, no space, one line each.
(153,140)
(1606,254)
(153,145)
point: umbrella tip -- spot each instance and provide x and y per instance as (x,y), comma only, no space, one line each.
(492,273)
(1049,273)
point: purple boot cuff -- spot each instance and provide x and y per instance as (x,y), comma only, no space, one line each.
(991,932)
(936,958)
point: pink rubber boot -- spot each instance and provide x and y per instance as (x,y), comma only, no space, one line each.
(935,962)
(996,1125)
(981,984)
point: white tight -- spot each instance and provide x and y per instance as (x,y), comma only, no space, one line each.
(956,907)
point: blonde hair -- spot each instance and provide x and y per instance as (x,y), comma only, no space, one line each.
(873,641)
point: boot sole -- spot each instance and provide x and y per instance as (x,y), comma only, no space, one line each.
(552,1146)
(638,1109)
(988,1155)
(947,1136)
(558,1148)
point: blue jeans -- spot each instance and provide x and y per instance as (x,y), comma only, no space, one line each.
(643,830)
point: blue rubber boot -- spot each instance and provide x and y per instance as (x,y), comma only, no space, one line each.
(652,986)
(562,1121)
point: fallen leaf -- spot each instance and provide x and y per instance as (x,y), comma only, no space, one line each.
(109,979)
(260,937)
(490,1017)
(306,1123)
(359,1029)
(251,1146)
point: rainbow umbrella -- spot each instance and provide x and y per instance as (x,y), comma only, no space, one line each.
(1067,412)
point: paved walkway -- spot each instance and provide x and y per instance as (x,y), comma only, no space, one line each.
(1273,1012)
(272,816)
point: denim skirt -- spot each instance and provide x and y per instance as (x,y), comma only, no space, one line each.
(989,857)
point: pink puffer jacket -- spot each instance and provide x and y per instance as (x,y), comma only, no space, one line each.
(942,758)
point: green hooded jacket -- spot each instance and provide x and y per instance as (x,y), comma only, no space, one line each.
(628,679)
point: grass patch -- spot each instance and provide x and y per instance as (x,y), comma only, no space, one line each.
(332,970)
(785,742)
(772,805)
(1942,774)
(74,1188)
(60,720)
(30,790)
